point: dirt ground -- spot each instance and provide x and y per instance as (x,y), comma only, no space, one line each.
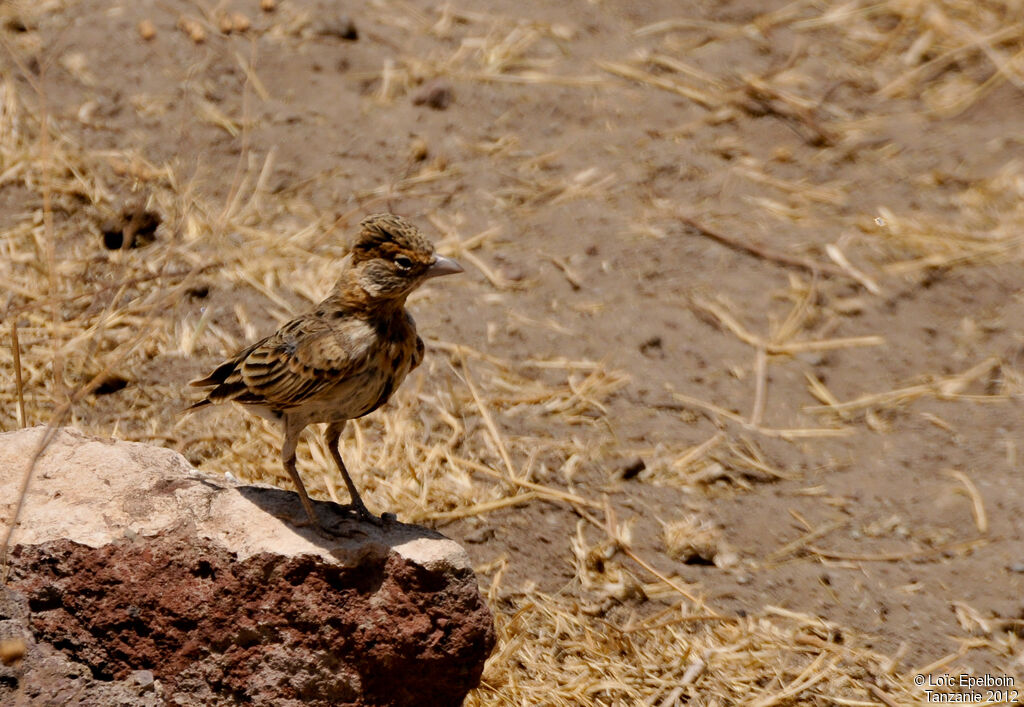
(744,275)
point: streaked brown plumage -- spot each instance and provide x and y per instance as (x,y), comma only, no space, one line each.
(343,359)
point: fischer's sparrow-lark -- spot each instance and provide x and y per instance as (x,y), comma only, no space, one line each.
(343,359)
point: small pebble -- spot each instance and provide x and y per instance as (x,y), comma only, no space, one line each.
(480,536)
(435,94)
(12,650)
(782,154)
(341,27)
(631,468)
(726,559)
(144,679)
(651,346)
(1017,567)
(233,22)
(147,30)
(419,150)
(135,224)
(193,29)
(17,23)
(512,273)
(268,5)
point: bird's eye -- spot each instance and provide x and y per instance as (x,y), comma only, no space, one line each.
(403,263)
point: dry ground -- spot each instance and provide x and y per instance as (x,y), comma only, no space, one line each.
(727,405)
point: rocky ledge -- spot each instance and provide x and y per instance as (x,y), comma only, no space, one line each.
(133,579)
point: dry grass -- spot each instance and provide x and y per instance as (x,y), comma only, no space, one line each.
(77,319)
(555,652)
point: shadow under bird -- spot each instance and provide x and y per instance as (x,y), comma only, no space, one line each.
(344,358)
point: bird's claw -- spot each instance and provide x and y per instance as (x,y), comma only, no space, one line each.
(364,515)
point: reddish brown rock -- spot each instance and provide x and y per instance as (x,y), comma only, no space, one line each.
(384,617)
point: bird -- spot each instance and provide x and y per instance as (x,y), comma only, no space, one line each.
(345,357)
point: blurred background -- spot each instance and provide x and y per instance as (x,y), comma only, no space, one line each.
(726,406)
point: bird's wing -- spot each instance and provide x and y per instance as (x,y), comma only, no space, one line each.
(305,357)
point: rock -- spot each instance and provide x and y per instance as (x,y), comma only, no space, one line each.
(46,676)
(135,580)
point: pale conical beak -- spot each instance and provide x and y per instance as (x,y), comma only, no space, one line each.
(443,266)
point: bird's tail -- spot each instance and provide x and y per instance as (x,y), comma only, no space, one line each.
(195,406)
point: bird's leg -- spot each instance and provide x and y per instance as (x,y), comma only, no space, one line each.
(291,440)
(333,436)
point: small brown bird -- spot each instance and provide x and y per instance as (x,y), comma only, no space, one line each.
(343,359)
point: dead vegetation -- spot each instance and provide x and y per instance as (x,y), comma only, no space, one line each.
(80,322)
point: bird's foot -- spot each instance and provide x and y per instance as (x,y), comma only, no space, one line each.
(364,515)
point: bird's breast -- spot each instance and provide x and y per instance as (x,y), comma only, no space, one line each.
(388,363)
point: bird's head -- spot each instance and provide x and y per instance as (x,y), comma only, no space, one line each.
(391,258)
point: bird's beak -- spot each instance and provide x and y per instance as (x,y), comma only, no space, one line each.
(443,266)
